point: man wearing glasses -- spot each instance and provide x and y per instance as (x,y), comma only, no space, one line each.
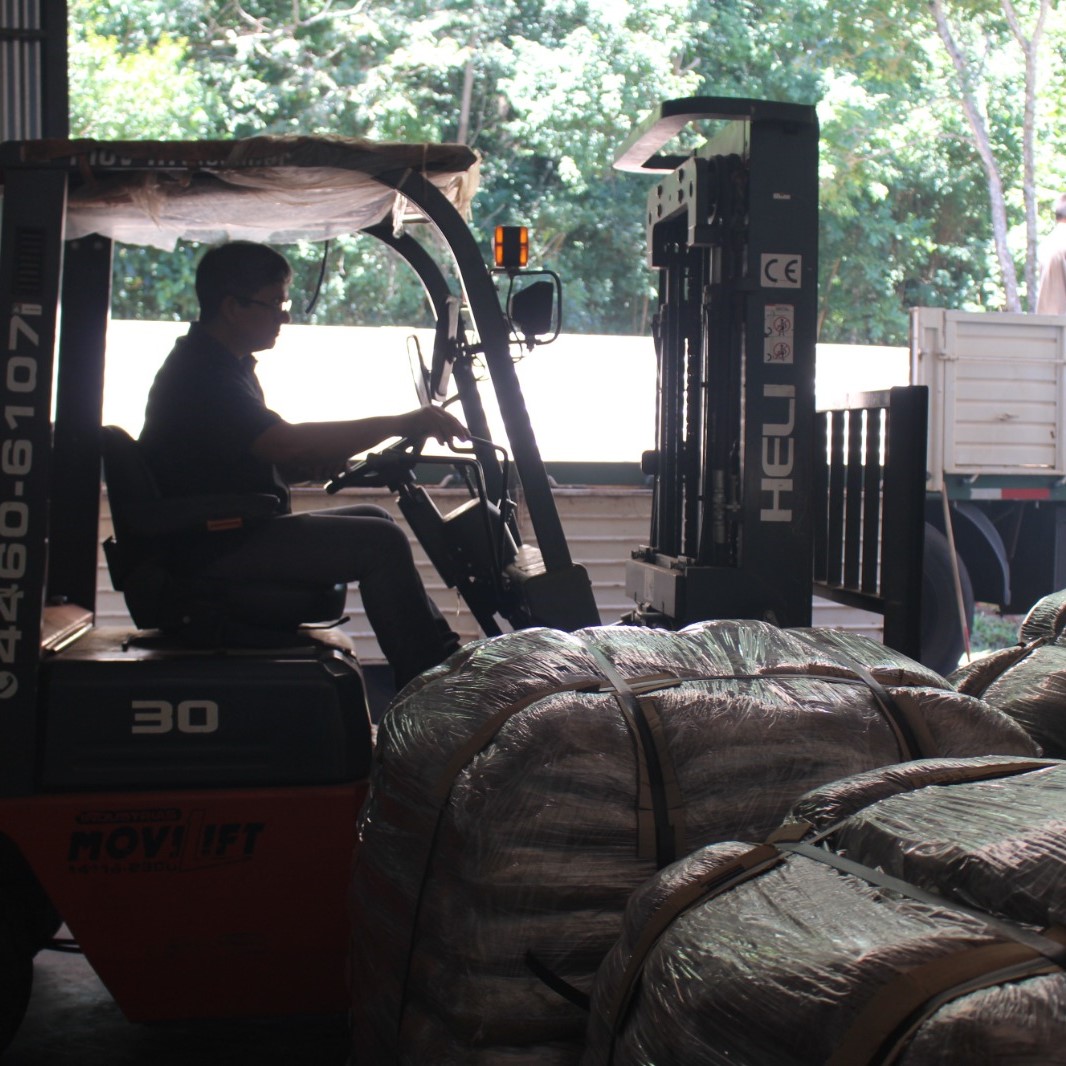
(208,429)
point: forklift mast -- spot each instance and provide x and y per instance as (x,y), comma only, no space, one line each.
(732,229)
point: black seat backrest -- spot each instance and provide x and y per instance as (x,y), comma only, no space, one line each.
(161,588)
(140,511)
(130,483)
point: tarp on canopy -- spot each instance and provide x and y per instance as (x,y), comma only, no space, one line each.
(271,189)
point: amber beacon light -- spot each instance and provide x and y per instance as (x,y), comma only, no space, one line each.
(510,247)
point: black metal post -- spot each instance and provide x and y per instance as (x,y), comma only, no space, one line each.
(79,406)
(31,239)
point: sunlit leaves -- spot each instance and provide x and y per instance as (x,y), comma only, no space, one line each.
(547,90)
(145,93)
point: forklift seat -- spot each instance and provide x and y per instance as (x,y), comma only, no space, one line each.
(152,561)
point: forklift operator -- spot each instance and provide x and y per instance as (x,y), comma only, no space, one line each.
(207,429)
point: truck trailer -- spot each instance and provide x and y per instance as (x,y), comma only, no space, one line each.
(995,463)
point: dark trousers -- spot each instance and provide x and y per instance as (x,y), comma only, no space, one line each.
(359,543)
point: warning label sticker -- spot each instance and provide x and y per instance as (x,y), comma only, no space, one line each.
(779,333)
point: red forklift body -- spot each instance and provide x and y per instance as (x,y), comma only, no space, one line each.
(202,903)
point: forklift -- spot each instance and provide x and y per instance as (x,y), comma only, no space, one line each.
(186,799)
(757,497)
(184,795)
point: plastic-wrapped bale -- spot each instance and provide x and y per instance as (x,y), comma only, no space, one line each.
(1028,681)
(927,944)
(525,788)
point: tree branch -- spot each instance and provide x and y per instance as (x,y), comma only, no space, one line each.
(1030,47)
(258,27)
(983,143)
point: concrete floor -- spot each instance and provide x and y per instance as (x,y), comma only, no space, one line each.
(73,1020)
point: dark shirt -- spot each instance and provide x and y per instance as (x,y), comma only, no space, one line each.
(204,410)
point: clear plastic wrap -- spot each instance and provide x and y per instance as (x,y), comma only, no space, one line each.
(1028,681)
(272,189)
(517,800)
(1046,619)
(802,964)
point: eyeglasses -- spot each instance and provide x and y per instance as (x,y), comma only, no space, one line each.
(280,307)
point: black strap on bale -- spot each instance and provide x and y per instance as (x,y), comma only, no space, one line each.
(560,986)
(659,799)
(1030,952)
(879,1032)
(1006,930)
(441,794)
(461,758)
(714,882)
(913,737)
(912,734)
(660,805)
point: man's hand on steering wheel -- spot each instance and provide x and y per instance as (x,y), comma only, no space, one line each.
(437,423)
(393,465)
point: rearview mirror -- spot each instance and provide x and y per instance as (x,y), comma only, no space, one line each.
(533,311)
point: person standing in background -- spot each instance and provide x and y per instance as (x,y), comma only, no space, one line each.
(1051,291)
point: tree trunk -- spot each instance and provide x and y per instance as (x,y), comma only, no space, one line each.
(465,103)
(1030,47)
(983,144)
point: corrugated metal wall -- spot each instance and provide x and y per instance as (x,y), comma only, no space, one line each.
(602,526)
(33,69)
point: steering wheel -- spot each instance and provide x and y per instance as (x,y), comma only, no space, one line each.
(388,468)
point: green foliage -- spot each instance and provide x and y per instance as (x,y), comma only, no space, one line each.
(903,215)
(992,630)
(548,90)
(143,93)
(148,283)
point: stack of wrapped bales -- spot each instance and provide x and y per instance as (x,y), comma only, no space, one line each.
(524,789)
(927,944)
(1028,681)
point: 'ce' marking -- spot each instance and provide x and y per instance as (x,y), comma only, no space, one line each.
(781,271)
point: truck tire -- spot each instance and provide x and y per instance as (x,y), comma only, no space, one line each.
(943,640)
